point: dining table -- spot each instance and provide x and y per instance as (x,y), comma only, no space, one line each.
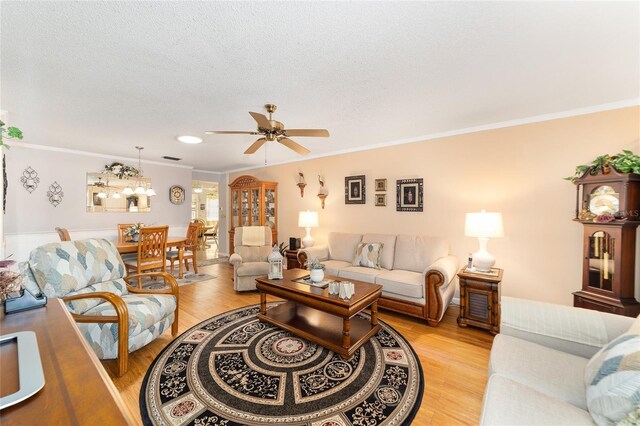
(178,242)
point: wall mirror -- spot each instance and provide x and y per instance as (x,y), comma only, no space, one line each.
(108,193)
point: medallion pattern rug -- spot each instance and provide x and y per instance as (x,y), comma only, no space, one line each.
(234,370)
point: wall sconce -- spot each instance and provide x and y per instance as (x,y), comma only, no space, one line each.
(301,183)
(322,192)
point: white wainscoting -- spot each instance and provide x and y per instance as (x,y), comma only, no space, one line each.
(20,245)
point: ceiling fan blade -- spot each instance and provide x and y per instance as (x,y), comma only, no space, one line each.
(294,146)
(230,132)
(255,146)
(263,122)
(319,133)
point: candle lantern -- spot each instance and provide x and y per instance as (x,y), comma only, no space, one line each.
(275,264)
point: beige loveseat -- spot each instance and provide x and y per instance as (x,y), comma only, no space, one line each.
(416,273)
(558,365)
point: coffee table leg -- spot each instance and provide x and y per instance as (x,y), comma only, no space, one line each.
(263,303)
(346,331)
(374,313)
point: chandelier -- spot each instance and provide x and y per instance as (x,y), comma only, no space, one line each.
(141,188)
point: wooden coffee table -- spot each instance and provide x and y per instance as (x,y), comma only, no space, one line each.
(314,314)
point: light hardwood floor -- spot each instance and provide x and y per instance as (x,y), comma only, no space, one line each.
(454,359)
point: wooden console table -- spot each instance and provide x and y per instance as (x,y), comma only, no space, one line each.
(77,389)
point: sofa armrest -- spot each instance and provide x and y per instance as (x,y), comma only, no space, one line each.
(235,259)
(447,266)
(437,277)
(309,253)
(576,331)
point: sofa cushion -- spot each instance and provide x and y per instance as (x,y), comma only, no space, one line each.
(367,275)
(62,267)
(368,255)
(415,253)
(247,269)
(144,311)
(389,241)
(342,246)
(613,378)
(118,287)
(253,254)
(332,267)
(509,403)
(551,372)
(404,283)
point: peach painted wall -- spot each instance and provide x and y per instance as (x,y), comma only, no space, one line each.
(516,170)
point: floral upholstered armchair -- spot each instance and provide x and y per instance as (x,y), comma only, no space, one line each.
(113,316)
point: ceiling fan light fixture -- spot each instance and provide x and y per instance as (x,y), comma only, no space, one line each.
(197,190)
(190,139)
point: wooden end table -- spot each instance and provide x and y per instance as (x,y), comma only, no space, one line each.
(480,299)
(292,259)
(314,314)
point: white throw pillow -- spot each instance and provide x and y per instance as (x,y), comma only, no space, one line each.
(368,255)
(612,378)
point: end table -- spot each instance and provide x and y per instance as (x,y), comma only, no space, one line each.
(292,259)
(480,299)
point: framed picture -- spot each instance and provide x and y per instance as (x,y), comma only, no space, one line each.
(381,199)
(354,190)
(381,184)
(409,196)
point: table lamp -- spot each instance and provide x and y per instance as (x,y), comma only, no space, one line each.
(308,220)
(483,225)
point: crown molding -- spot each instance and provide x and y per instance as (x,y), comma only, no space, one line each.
(94,154)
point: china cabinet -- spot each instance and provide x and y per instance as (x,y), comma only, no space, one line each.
(253,203)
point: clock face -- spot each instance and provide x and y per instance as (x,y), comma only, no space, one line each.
(176,194)
(604,200)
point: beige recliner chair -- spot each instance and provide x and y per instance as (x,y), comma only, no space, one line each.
(252,246)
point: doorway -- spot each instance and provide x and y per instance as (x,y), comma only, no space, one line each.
(205,208)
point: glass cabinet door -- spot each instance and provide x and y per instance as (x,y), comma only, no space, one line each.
(235,212)
(255,206)
(270,208)
(601,260)
(244,197)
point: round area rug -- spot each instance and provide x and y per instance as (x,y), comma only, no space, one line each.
(234,370)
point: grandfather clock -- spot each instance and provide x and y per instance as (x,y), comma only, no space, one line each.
(608,206)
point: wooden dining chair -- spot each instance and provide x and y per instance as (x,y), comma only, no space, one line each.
(189,252)
(63,234)
(152,249)
(213,234)
(122,227)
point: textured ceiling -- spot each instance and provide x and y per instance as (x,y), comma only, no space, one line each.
(106,76)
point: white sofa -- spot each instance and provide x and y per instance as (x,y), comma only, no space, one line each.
(417,273)
(540,372)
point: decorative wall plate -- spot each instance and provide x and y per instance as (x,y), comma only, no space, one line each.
(176,194)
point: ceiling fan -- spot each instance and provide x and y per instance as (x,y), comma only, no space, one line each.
(273,130)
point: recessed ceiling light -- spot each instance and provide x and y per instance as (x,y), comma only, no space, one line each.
(190,139)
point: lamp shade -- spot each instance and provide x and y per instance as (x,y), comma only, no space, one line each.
(483,225)
(308,219)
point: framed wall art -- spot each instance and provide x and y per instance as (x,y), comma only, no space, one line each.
(381,200)
(409,195)
(354,190)
(381,184)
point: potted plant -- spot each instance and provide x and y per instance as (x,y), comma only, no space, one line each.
(316,271)
(8,133)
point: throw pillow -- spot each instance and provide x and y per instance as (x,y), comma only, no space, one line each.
(612,377)
(368,255)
